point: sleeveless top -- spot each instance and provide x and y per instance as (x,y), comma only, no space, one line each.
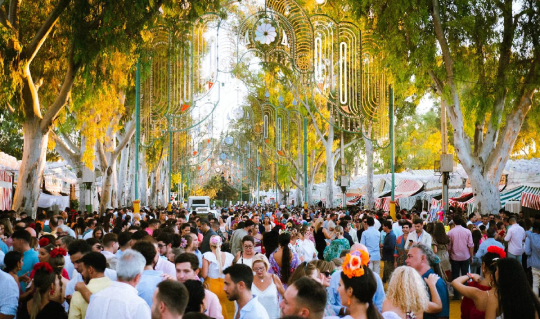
(320,243)
(245,261)
(213,267)
(268,298)
(468,309)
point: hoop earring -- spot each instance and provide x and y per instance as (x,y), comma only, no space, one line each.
(491,284)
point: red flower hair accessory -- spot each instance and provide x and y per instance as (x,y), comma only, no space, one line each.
(280,225)
(46,266)
(58,252)
(43,242)
(497,250)
(352,266)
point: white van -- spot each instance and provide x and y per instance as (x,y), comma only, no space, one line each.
(201,204)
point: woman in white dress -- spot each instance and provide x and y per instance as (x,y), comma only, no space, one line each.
(214,262)
(266,286)
(305,248)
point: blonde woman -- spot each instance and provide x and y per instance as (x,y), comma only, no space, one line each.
(321,234)
(406,297)
(214,261)
(266,286)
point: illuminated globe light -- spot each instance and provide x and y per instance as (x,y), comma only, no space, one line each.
(320,1)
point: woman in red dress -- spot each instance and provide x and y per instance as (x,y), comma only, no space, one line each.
(476,292)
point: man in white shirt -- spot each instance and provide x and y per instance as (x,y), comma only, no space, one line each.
(515,237)
(63,242)
(419,235)
(170,300)
(110,247)
(121,300)
(237,286)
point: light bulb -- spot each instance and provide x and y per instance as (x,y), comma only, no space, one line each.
(320,1)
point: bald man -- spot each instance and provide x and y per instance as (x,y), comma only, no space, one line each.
(31,231)
(333,294)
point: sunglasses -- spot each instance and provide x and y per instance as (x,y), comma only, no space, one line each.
(326,273)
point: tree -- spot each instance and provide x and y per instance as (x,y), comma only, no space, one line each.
(482,58)
(33,91)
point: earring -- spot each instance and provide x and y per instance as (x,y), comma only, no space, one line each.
(349,302)
(491,284)
(52,292)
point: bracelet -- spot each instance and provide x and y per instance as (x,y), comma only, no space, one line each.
(470,278)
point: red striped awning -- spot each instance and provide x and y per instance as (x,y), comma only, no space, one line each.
(530,200)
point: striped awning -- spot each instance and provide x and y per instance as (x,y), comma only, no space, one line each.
(516,193)
(530,200)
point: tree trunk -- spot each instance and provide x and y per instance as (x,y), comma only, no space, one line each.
(486,192)
(143,181)
(123,176)
(369,202)
(106,186)
(130,195)
(329,165)
(32,167)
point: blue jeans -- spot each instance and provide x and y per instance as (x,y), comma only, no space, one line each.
(518,257)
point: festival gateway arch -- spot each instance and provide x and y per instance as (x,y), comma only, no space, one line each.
(330,65)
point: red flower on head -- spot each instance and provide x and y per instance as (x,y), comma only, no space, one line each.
(497,250)
(32,225)
(46,266)
(58,252)
(43,242)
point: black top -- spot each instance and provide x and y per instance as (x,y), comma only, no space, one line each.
(320,243)
(205,245)
(52,310)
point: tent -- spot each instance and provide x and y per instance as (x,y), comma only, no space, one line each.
(515,194)
(48,201)
(6,190)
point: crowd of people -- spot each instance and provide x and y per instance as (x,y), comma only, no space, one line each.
(253,262)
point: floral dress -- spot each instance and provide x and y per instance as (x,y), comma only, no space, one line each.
(275,269)
(335,248)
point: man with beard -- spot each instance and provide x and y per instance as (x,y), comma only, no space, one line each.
(237,286)
(170,300)
(93,266)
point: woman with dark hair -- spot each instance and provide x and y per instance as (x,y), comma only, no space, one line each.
(98,233)
(42,305)
(512,298)
(245,256)
(79,228)
(283,261)
(476,292)
(270,241)
(357,286)
(440,247)
(107,223)
(477,238)
(196,302)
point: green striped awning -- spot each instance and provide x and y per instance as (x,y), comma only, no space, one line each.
(515,194)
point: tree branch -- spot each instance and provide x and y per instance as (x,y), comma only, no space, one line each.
(31,50)
(13,14)
(129,133)
(102,157)
(61,98)
(492,133)
(69,143)
(4,18)
(65,151)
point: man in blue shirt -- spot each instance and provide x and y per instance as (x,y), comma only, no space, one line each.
(150,278)
(371,239)
(421,258)
(21,243)
(490,241)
